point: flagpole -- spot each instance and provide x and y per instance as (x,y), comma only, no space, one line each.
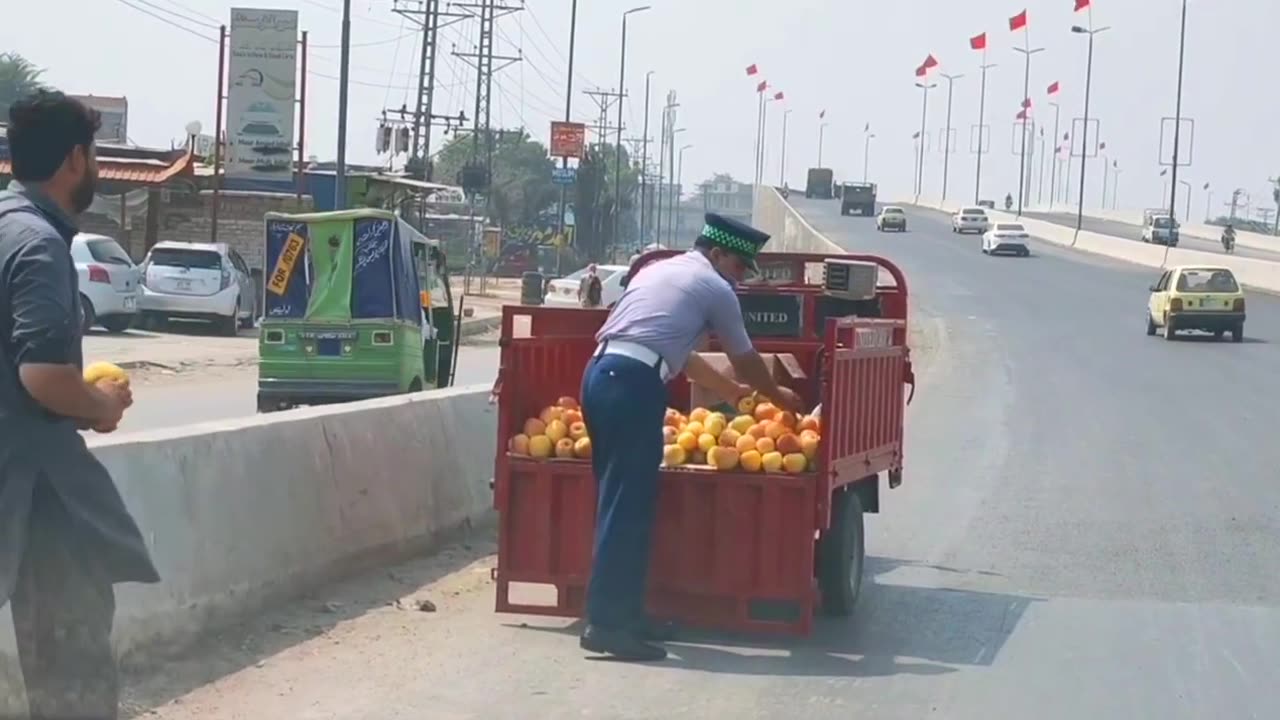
(1027,51)
(924,114)
(759,139)
(1057,150)
(982,121)
(946,149)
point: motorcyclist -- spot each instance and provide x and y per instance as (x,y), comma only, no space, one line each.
(1229,238)
(1008,201)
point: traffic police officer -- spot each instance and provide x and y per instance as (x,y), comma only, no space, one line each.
(648,339)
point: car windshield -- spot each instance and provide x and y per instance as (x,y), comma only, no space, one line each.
(972,211)
(1163,222)
(109,252)
(1207,281)
(1010,227)
(893,211)
(186,258)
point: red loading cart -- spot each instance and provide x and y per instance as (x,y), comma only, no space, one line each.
(733,551)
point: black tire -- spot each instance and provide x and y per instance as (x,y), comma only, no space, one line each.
(117,323)
(1237,333)
(1170,332)
(229,326)
(1217,334)
(841,555)
(1151,325)
(88,316)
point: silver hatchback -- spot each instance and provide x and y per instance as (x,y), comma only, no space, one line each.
(198,281)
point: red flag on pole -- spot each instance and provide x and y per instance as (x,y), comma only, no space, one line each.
(1053,88)
(930,62)
(978,42)
(1066,136)
(1081,5)
(1018,22)
(1026,104)
(867,128)
(778,96)
(1057,150)
(762,86)
(752,69)
(915,135)
(1102,146)
(822,114)
(922,71)
(1022,115)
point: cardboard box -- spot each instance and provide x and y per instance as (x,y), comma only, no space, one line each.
(785,368)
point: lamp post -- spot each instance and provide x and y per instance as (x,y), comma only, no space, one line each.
(1023,184)
(866,154)
(644,164)
(924,114)
(1187,185)
(1057,152)
(782,164)
(617,150)
(568,110)
(1177,115)
(946,150)
(982,114)
(673,201)
(822,128)
(1084,136)
(344,77)
(680,182)
(1208,202)
(1115,188)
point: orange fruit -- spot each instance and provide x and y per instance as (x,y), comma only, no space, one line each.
(765,445)
(745,443)
(564,448)
(673,455)
(578,430)
(787,418)
(519,444)
(582,448)
(747,405)
(568,403)
(694,427)
(688,441)
(765,411)
(557,430)
(794,463)
(809,446)
(706,441)
(788,444)
(534,427)
(742,423)
(810,422)
(772,461)
(751,461)
(699,414)
(571,416)
(757,430)
(723,458)
(549,413)
(540,446)
(730,437)
(774,429)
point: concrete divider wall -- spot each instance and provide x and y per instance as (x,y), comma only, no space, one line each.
(242,513)
(789,232)
(1258,274)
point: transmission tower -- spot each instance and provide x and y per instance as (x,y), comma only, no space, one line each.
(478,176)
(428,16)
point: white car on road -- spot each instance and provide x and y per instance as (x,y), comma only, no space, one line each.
(563,292)
(1008,238)
(198,281)
(108,282)
(970,219)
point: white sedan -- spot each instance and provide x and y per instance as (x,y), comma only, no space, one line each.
(564,291)
(1010,238)
(970,219)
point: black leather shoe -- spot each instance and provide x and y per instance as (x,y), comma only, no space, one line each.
(627,646)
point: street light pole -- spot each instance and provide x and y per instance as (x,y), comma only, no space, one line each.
(344,78)
(617,150)
(1023,184)
(1177,118)
(822,128)
(680,180)
(1106,170)
(1084,132)
(644,165)
(946,151)
(866,155)
(1208,202)
(924,114)
(674,201)
(782,164)
(568,110)
(1057,151)
(982,115)
(1115,189)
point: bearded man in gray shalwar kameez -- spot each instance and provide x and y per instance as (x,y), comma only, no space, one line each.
(66,537)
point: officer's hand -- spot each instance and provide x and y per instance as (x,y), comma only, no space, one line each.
(787,399)
(116,397)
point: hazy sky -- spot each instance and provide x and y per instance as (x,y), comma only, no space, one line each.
(856,60)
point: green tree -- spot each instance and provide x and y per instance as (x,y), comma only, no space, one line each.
(595,202)
(18,78)
(521,186)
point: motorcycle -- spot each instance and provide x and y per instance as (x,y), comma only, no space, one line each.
(1228,243)
(1008,202)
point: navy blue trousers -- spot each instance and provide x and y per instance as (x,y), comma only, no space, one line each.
(623,403)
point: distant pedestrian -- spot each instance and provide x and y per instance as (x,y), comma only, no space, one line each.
(66,537)
(590,289)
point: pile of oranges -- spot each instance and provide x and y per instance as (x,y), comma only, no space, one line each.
(762,438)
(558,431)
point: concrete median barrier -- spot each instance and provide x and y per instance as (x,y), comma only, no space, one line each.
(244,513)
(788,230)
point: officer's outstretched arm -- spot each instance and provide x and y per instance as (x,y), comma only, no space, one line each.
(748,366)
(705,374)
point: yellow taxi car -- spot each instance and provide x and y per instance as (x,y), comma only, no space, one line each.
(1193,297)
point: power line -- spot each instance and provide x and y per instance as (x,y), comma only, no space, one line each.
(194,11)
(169,22)
(371,43)
(148,3)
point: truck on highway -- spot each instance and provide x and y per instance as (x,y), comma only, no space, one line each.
(1159,228)
(858,197)
(840,343)
(819,183)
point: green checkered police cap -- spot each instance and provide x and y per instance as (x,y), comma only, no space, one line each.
(734,236)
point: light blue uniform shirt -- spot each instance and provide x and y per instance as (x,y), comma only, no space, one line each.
(670,304)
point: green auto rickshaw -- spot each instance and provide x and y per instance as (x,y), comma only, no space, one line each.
(356,306)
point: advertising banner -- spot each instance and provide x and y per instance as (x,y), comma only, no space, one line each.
(567,139)
(261,92)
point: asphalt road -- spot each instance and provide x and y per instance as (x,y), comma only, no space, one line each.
(224,393)
(1134,232)
(1088,529)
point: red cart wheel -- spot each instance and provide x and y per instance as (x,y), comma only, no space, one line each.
(841,553)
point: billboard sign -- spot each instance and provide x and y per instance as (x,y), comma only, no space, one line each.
(261,92)
(564,176)
(567,139)
(114,113)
